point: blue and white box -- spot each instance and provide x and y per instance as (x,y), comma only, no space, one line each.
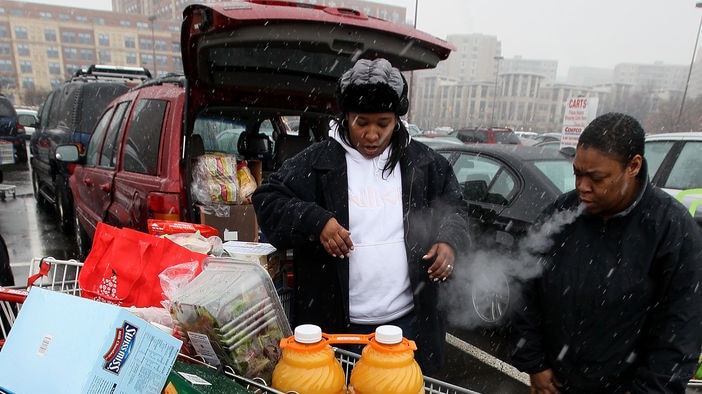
(64,344)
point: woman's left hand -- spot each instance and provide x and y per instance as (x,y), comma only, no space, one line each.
(443,256)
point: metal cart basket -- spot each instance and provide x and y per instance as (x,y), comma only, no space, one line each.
(62,276)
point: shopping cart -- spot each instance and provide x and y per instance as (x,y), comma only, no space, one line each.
(347,360)
(62,276)
(47,272)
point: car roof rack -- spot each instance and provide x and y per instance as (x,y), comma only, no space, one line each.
(113,72)
(171,78)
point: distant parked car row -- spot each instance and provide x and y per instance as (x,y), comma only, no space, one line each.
(12,131)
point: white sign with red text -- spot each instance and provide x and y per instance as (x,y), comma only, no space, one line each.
(579,112)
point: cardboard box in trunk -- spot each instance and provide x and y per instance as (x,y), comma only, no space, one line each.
(239,225)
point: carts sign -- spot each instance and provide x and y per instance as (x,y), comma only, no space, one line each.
(579,112)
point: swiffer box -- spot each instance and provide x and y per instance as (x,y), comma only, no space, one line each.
(63,344)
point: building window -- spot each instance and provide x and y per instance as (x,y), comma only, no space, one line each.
(104,56)
(28,83)
(125,23)
(147,59)
(64,17)
(45,15)
(70,53)
(161,45)
(4,31)
(56,83)
(23,49)
(50,35)
(25,66)
(145,43)
(5,48)
(85,38)
(54,68)
(6,65)
(68,37)
(104,40)
(86,54)
(21,33)
(142,25)
(162,60)
(72,68)
(174,29)
(177,64)
(16,12)
(81,19)
(131,58)
(175,46)
(52,52)
(129,42)
(99,21)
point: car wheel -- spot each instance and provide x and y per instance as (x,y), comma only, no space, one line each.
(491,298)
(82,241)
(36,187)
(64,205)
(6,277)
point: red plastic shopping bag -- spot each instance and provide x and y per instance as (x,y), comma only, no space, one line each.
(123,266)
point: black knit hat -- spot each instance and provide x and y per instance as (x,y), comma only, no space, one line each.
(373,86)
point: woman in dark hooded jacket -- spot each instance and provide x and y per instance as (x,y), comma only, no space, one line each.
(618,308)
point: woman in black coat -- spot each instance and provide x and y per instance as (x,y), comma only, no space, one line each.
(376,221)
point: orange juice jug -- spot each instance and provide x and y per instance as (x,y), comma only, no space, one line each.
(308,364)
(387,365)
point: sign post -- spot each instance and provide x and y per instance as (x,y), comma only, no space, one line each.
(579,112)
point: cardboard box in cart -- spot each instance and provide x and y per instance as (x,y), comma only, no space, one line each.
(63,344)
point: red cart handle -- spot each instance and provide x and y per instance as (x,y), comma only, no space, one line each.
(44,267)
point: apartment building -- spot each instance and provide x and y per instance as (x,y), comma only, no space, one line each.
(43,45)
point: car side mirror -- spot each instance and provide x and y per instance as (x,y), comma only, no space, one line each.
(67,153)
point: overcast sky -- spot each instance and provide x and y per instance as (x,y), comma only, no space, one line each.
(592,33)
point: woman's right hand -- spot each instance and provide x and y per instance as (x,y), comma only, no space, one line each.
(336,239)
(544,382)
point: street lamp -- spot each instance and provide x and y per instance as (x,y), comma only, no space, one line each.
(152,18)
(494,96)
(411,84)
(692,61)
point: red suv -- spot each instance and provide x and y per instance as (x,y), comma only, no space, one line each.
(251,68)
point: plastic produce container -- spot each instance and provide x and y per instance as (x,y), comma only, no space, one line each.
(231,314)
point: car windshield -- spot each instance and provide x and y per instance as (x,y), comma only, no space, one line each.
(559,172)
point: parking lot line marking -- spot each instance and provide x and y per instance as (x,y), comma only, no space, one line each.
(488,359)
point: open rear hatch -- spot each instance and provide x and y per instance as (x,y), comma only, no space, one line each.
(280,54)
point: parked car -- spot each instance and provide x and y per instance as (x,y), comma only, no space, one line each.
(248,75)
(29,119)
(68,115)
(506,187)
(675,165)
(11,130)
(487,136)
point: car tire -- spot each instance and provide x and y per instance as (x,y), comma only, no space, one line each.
(83,244)
(41,201)
(64,205)
(491,303)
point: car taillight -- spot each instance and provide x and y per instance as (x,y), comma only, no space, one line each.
(164,206)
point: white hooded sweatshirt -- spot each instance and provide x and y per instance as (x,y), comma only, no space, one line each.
(379,285)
